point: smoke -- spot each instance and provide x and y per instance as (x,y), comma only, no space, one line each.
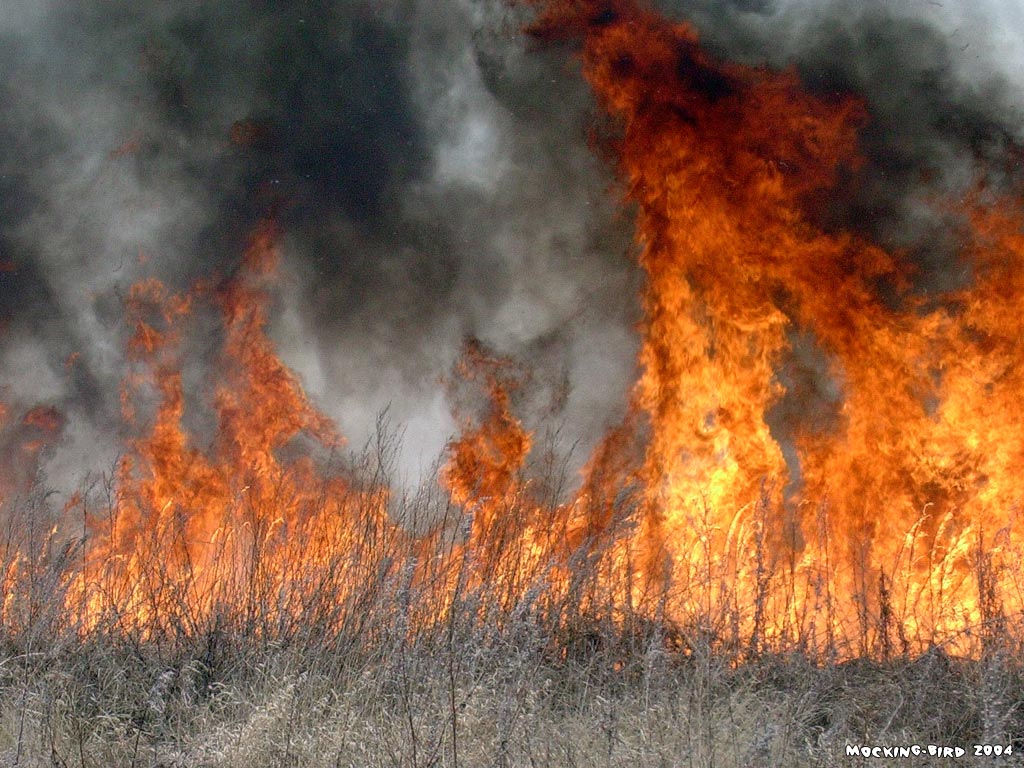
(431,176)
(430,169)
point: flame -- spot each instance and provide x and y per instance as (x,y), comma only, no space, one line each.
(26,543)
(871,522)
(880,519)
(250,505)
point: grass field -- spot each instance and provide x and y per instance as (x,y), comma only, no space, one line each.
(380,655)
(489,701)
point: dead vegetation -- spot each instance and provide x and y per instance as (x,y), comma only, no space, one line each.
(383,655)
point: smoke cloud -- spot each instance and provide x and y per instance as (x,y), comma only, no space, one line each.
(431,176)
(430,169)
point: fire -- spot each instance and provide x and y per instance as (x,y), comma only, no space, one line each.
(250,508)
(875,518)
(27,542)
(871,521)
(486,461)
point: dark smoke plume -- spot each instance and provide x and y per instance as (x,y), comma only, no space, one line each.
(431,176)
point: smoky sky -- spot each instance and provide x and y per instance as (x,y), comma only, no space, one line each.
(431,177)
(430,169)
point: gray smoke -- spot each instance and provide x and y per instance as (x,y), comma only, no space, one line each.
(431,176)
(430,169)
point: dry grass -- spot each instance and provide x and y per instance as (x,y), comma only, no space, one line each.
(382,657)
(515,710)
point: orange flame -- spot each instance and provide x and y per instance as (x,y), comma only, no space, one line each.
(250,505)
(913,483)
(882,525)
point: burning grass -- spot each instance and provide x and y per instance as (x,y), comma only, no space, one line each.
(267,598)
(716,589)
(882,525)
(386,655)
